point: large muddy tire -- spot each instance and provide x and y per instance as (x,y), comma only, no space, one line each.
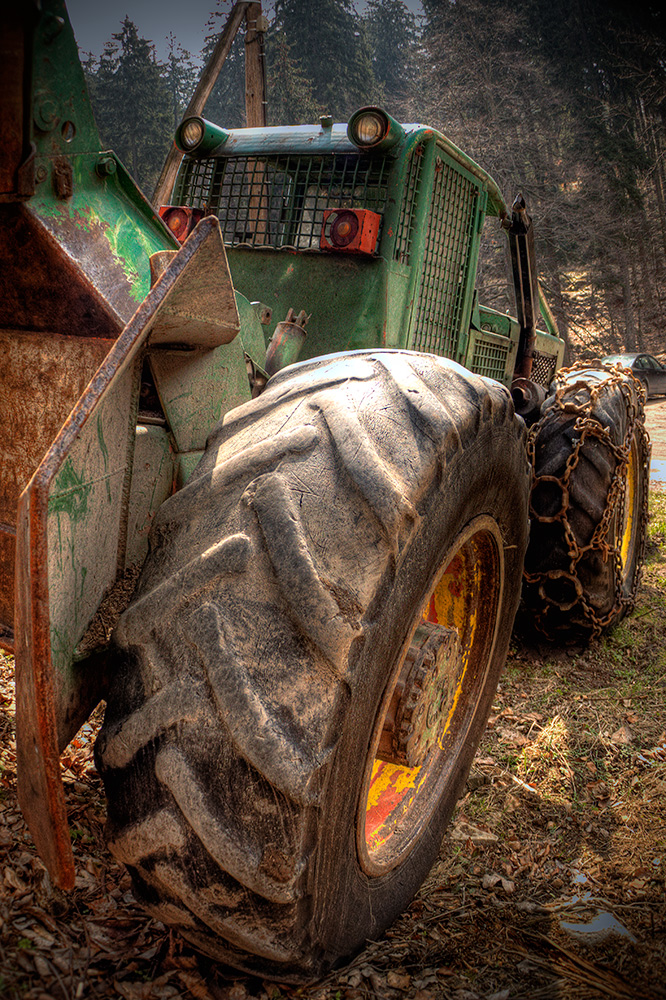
(276,646)
(591,455)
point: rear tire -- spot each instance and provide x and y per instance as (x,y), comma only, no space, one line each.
(591,456)
(283,588)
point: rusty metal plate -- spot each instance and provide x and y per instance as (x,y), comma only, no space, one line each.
(71,540)
(44,288)
(42,376)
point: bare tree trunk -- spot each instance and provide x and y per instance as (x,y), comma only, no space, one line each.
(629,319)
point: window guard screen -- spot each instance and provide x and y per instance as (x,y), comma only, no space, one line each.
(449,234)
(279,201)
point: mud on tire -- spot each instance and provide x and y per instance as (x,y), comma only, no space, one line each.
(283,586)
(590,454)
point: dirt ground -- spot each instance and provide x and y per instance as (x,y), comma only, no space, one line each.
(550,882)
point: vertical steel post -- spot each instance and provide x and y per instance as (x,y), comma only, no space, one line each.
(526,286)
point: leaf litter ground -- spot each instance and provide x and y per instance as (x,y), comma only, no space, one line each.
(550,882)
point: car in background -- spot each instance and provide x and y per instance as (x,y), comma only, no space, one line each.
(646,368)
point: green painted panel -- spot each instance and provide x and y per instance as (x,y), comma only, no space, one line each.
(107,227)
(152,483)
(86,504)
(344,295)
(196,388)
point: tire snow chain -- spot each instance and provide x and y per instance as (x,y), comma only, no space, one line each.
(588,426)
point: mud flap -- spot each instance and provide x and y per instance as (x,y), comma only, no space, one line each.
(72,529)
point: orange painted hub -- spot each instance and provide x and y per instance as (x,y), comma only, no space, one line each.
(398,800)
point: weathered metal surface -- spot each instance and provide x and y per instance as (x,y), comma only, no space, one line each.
(97,216)
(432,670)
(87,475)
(42,376)
(286,342)
(7,562)
(353,301)
(106,229)
(201,309)
(42,288)
(152,482)
(527,398)
(492,344)
(41,794)
(312,139)
(196,388)
(415,292)
(71,545)
(12,75)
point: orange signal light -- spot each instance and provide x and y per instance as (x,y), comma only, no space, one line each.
(180,220)
(352,230)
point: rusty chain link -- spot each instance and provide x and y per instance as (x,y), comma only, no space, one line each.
(578,399)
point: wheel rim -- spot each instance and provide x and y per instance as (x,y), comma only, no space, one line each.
(630,514)
(464,597)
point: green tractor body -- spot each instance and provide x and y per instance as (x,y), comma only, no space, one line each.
(127,336)
(278,193)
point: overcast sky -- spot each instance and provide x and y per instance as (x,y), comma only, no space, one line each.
(95,22)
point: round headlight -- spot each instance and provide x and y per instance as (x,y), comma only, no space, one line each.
(373,130)
(369,128)
(191,133)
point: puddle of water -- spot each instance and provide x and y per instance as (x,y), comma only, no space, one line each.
(658,470)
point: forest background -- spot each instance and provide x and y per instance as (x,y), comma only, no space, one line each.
(561,100)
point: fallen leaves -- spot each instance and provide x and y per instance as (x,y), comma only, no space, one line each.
(622,736)
(495,880)
(556,815)
(462,830)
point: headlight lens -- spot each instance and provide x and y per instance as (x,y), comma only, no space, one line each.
(369,129)
(191,133)
(372,130)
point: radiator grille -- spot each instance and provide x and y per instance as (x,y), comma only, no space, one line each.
(490,359)
(279,201)
(403,243)
(449,234)
(543,368)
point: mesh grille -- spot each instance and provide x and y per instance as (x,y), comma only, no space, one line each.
(403,243)
(490,359)
(543,368)
(280,200)
(449,232)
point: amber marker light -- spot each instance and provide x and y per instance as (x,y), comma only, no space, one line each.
(351,230)
(180,220)
(344,229)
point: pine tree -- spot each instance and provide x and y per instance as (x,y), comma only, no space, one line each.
(132,104)
(289,92)
(329,44)
(226,104)
(180,75)
(393,36)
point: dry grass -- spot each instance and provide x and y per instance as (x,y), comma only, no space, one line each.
(570,780)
